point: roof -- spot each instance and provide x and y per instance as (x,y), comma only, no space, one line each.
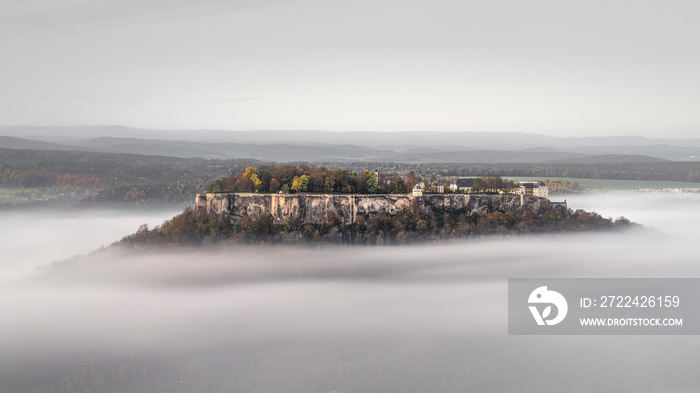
(417,187)
(466,181)
(532,184)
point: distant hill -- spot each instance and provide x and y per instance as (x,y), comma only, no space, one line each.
(149,147)
(487,156)
(393,140)
(313,146)
(10,142)
(674,153)
(291,152)
(610,159)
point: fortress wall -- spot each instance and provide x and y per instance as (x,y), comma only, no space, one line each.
(318,207)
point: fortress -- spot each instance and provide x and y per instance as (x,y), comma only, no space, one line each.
(347,207)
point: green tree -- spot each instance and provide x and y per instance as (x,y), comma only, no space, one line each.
(372,185)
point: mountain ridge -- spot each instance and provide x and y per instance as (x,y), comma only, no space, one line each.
(314,145)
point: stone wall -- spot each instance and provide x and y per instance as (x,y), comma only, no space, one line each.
(317,207)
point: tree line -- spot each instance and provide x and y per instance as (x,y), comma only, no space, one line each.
(317,179)
(39,168)
(304,178)
(651,171)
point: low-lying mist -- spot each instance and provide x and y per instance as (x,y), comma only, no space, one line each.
(350,319)
(32,238)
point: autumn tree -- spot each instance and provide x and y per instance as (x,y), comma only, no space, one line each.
(297,185)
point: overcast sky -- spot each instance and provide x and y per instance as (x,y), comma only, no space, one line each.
(554,67)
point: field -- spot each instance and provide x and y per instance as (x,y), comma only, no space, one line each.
(25,195)
(600,184)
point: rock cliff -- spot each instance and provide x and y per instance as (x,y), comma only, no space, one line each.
(318,207)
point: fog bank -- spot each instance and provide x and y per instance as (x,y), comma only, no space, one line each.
(33,238)
(370,319)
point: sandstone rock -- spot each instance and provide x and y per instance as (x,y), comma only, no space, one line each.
(318,207)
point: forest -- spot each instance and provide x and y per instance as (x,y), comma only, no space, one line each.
(304,178)
(103,179)
(40,168)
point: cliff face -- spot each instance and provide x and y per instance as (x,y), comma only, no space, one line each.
(318,207)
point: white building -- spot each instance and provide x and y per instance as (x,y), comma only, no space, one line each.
(417,190)
(535,188)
